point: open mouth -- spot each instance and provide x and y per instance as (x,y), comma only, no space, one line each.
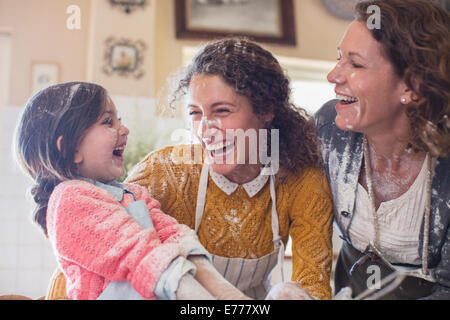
(346,100)
(118,152)
(220,149)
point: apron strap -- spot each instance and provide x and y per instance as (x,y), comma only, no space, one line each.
(201,196)
(275,225)
(277,241)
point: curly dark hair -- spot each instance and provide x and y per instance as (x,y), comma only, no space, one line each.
(254,73)
(415,35)
(64,110)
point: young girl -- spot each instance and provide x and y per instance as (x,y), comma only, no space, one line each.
(111,240)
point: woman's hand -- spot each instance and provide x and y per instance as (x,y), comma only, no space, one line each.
(288,291)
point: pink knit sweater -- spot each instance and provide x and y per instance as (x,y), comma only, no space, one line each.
(96,241)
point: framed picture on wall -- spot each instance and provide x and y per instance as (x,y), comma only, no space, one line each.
(270,21)
(124,57)
(129,5)
(43,74)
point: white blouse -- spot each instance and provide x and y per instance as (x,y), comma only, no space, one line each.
(399,222)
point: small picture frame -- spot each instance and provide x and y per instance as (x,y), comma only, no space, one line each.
(124,57)
(129,5)
(270,21)
(43,74)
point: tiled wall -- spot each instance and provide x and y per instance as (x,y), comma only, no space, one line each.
(26,258)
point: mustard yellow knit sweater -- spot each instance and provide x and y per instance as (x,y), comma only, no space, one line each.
(239,226)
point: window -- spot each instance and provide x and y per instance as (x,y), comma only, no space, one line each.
(310,88)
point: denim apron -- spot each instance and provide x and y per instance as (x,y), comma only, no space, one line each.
(251,276)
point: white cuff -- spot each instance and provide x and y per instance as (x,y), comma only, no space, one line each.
(168,282)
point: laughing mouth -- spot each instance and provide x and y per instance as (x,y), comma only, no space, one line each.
(220,149)
(118,151)
(346,99)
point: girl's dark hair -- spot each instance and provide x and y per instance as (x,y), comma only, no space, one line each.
(254,73)
(415,35)
(64,110)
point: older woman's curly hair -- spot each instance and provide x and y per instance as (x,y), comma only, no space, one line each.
(254,73)
(415,35)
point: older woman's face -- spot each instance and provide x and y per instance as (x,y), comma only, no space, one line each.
(217,112)
(369,91)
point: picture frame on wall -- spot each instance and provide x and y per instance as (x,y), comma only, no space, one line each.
(269,21)
(129,5)
(43,74)
(124,57)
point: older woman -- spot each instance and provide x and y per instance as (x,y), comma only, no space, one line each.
(256,178)
(385,147)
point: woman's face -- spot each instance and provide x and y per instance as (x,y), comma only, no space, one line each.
(367,86)
(217,112)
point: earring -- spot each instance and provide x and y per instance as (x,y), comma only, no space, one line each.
(403,100)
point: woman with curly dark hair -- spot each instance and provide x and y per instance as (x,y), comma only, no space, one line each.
(256,179)
(385,145)
(253,179)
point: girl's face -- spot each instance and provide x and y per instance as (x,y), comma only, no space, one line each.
(216,112)
(99,155)
(369,90)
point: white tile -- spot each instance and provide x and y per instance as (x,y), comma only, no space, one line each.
(29,257)
(8,283)
(30,234)
(13,185)
(29,283)
(24,212)
(9,234)
(48,258)
(12,208)
(9,257)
